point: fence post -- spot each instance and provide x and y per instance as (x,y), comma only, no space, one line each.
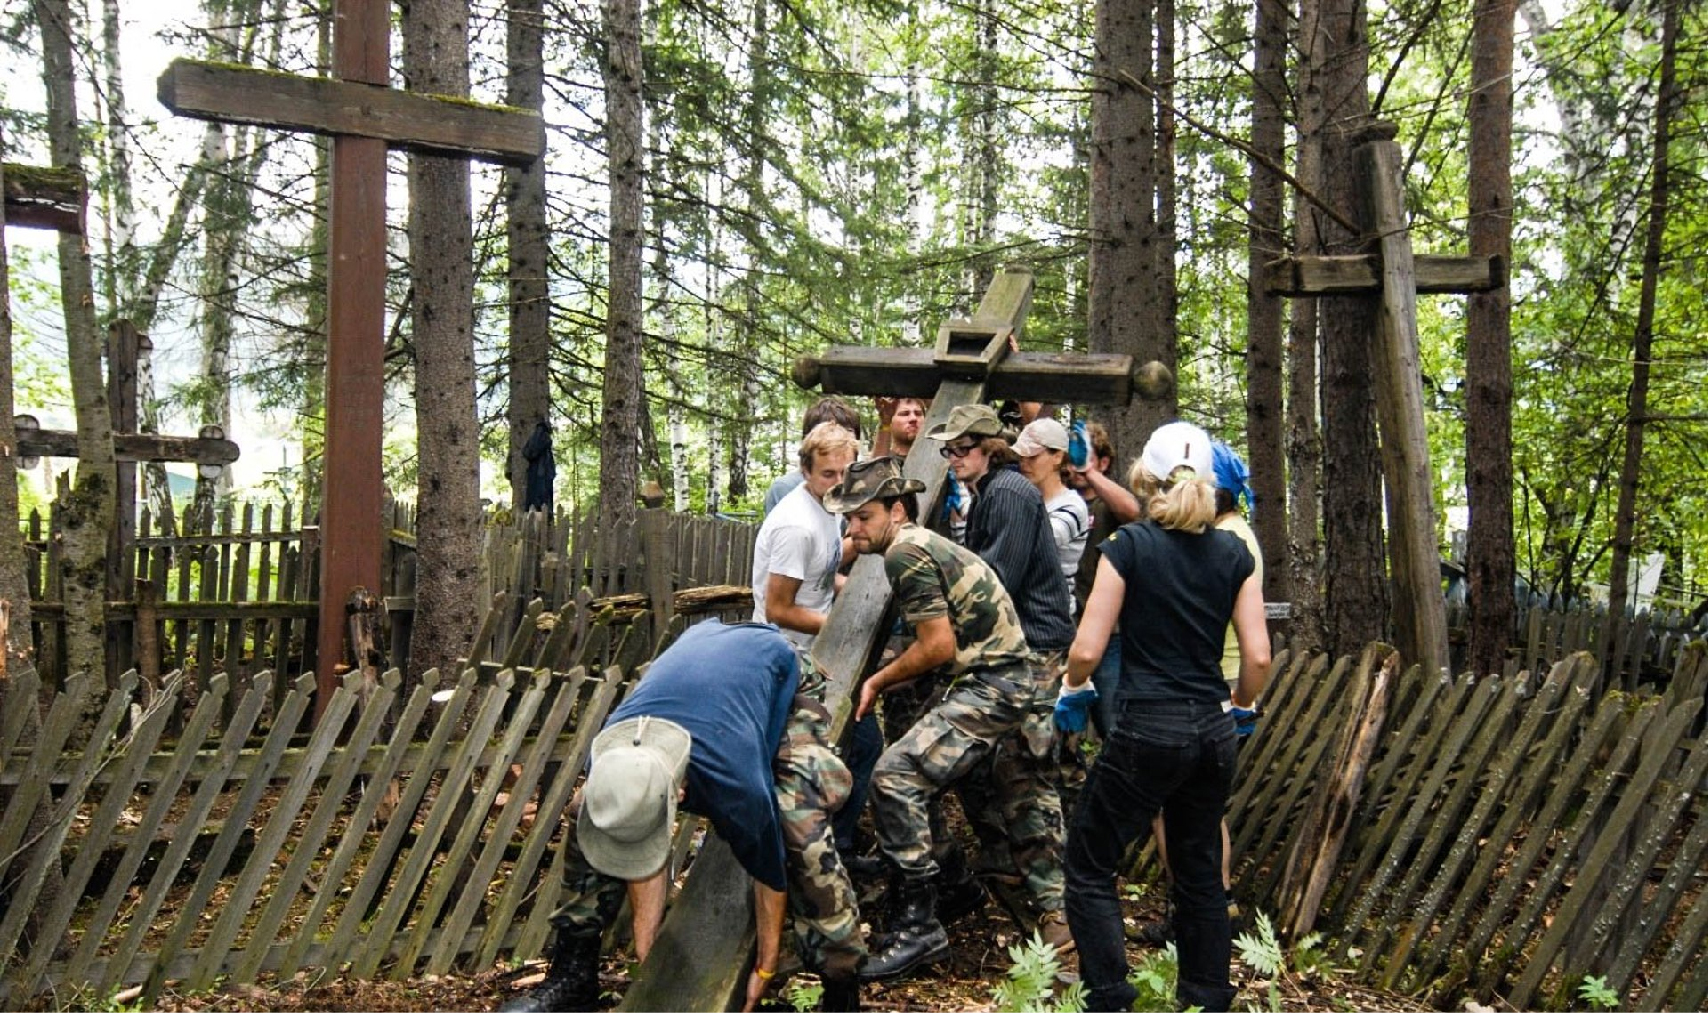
(660,563)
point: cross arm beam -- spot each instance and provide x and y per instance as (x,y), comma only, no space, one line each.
(43,197)
(1105,378)
(131,446)
(1361,274)
(228,93)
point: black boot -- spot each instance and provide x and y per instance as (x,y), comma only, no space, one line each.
(841,995)
(918,937)
(958,893)
(572,983)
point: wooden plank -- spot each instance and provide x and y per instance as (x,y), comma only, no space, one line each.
(188,916)
(1600,862)
(1520,922)
(416,122)
(91,847)
(61,720)
(365,960)
(341,772)
(18,702)
(1575,678)
(163,798)
(461,866)
(550,815)
(132,446)
(44,197)
(24,884)
(1685,951)
(375,788)
(1419,612)
(1361,274)
(1283,697)
(1077,377)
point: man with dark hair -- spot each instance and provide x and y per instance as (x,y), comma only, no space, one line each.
(825,409)
(963,623)
(732,724)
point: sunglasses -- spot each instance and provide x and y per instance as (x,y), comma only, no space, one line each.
(958,450)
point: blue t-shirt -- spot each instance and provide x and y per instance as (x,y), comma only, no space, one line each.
(1179,598)
(732,687)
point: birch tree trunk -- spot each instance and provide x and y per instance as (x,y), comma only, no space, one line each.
(528,243)
(623,391)
(448,521)
(121,213)
(1642,341)
(87,514)
(1358,593)
(1488,344)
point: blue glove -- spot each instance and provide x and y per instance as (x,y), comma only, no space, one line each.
(1073,707)
(1079,445)
(1245,722)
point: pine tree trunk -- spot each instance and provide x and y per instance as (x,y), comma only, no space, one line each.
(1488,344)
(623,391)
(1642,341)
(528,244)
(1263,404)
(1124,289)
(1355,575)
(87,515)
(448,520)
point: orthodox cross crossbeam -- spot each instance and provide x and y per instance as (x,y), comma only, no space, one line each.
(363,116)
(40,197)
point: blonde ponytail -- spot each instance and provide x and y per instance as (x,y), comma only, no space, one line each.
(1186,502)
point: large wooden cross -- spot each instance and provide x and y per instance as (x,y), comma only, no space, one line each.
(363,116)
(1395,276)
(705,947)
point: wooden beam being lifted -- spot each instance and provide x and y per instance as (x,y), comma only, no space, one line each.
(915,372)
(324,105)
(1361,274)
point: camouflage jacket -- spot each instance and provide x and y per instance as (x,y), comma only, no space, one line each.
(933,577)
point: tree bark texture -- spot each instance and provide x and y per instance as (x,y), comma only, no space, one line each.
(1263,403)
(528,243)
(1355,578)
(1642,341)
(14,584)
(624,387)
(1125,294)
(448,578)
(1304,563)
(87,514)
(1488,344)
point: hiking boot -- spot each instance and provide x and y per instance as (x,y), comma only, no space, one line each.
(1157,933)
(1053,927)
(572,983)
(918,938)
(958,900)
(864,867)
(840,995)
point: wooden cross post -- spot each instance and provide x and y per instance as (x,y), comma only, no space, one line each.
(705,947)
(1395,276)
(364,117)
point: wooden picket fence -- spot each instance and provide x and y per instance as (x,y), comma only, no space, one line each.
(412,827)
(241,596)
(1504,836)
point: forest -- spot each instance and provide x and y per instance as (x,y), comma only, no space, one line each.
(725,187)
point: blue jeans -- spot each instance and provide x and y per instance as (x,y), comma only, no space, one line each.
(865,745)
(1176,757)
(1107,679)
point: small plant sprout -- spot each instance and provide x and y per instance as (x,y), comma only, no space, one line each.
(1031,982)
(1594,990)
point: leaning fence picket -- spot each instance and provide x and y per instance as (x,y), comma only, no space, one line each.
(62,718)
(18,694)
(375,788)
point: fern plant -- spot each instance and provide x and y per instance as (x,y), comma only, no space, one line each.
(1596,992)
(1264,953)
(1154,979)
(804,993)
(1030,985)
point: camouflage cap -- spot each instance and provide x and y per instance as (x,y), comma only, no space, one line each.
(968,420)
(873,478)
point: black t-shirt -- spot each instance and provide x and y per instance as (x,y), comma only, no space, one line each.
(1179,598)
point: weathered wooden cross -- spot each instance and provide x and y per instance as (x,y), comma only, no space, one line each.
(363,116)
(1395,276)
(705,947)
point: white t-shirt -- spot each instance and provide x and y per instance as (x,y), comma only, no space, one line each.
(1070,520)
(799,539)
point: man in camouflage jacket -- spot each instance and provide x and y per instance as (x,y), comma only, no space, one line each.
(964,624)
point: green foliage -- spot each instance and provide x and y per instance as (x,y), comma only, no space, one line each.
(804,994)
(1031,982)
(1264,953)
(1595,991)
(1154,978)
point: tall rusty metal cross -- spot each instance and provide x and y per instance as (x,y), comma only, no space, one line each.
(364,117)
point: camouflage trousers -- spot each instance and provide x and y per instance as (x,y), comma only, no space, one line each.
(950,744)
(811,783)
(1014,801)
